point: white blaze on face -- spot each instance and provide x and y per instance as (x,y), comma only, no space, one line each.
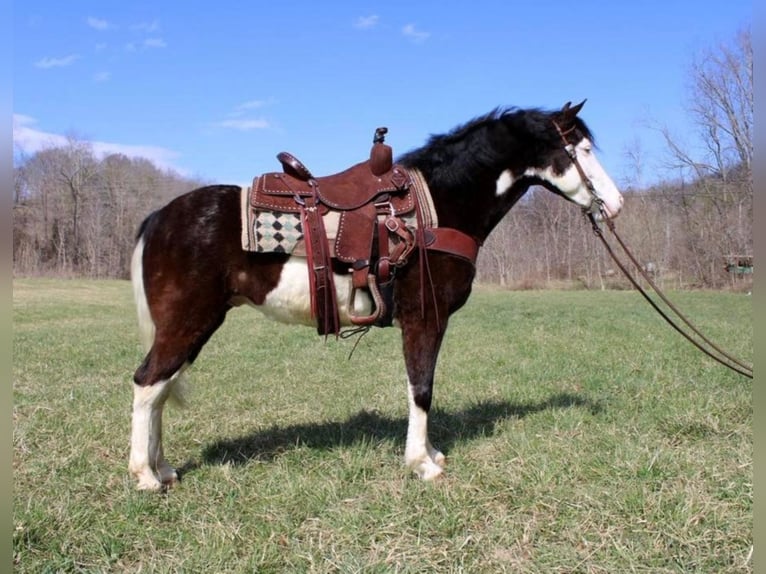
(572,186)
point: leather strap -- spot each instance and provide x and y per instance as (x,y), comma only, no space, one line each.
(452,241)
(324,304)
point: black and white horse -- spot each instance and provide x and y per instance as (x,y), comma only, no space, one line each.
(189,269)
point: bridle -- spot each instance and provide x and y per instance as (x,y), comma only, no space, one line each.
(597,206)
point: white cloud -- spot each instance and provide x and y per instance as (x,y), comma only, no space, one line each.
(46,62)
(147,44)
(147,27)
(98,23)
(251,105)
(366,22)
(31,140)
(414,34)
(161,157)
(243,124)
(243,108)
(155,43)
(101,77)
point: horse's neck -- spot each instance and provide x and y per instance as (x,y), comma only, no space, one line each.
(478,207)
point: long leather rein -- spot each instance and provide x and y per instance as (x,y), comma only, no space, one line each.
(712,350)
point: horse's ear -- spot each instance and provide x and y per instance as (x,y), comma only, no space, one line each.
(576,110)
(569,112)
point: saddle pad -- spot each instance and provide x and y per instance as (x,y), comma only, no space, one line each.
(277,232)
(265,231)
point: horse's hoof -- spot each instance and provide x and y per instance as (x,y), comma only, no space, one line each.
(427,469)
(168,476)
(170,481)
(432,472)
(149,484)
(146,479)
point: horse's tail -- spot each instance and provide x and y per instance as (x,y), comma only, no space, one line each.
(146,327)
(145,322)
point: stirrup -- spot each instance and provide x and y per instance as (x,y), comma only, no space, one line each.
(379,307)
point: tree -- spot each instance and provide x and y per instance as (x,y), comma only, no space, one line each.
(74,213)
(716,197)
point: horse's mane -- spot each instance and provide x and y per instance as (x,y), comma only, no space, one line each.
(486,141)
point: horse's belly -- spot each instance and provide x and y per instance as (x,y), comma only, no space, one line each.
(290,300)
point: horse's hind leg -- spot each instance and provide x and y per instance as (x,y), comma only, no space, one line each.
(157,379)
(147,458)
(184,324)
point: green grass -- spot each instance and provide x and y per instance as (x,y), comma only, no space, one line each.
(582,435)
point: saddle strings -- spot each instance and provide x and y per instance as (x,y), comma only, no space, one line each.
(425,268)
(350,332)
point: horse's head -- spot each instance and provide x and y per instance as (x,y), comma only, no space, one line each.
(572,168)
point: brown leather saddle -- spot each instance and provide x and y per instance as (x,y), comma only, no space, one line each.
(372,239)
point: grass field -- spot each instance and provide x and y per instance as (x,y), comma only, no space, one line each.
(582,435)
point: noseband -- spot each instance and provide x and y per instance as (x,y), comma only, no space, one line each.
(597,204)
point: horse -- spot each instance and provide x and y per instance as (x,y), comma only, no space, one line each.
(188,267)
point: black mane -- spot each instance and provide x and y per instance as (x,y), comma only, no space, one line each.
(489,142)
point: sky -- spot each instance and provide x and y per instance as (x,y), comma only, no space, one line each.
(215,90)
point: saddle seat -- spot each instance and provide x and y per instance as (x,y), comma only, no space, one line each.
(347,190)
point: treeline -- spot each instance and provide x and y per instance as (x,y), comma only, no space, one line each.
(77,215)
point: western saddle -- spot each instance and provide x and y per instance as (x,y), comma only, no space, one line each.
(372,239)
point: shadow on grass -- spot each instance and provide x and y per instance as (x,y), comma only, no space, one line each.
(445,429)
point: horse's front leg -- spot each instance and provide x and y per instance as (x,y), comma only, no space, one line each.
(421,348)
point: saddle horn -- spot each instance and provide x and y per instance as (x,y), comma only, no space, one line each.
(381,155)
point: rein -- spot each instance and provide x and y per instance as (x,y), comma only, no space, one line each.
(722,356)
(716,353)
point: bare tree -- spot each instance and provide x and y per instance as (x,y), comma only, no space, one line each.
(715,193)
(720,103)
(76,214)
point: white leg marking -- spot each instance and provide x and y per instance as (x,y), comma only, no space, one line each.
(147,459)
(504,183)
(419,455)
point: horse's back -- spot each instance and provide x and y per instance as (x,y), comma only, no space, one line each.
(198,215)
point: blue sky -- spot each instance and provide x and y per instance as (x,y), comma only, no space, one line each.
(215,90)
